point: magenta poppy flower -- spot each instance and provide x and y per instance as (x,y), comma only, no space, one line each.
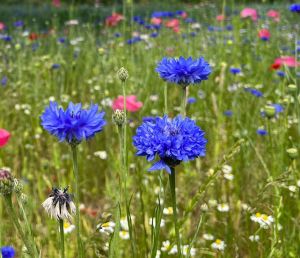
(274,15)
(114,19)
(132,105)
(220,17)
(2,26)
(156,21)
(289,61)
(264,34)
(249,12)
(4,137)
(173,23)
(56,3)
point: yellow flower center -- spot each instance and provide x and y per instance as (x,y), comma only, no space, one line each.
(264,217)
(257,215)
(66,225)
(218,241)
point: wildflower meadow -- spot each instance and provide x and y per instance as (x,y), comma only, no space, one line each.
(149,129)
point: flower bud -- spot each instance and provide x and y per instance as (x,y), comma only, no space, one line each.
(270,111)
(6,182)
(292,152)
(123,74)
(119,117)
(292,88)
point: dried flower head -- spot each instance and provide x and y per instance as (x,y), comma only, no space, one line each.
(59,204)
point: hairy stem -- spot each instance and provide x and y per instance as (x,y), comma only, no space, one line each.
(77,217)
(173,195)
(62,238)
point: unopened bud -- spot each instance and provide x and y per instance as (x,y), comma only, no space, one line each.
(6,182)
(292,88)
(119,117)
(292,152)
(270,111)
(123,74)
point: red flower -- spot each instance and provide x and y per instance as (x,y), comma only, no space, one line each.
(184,15)
(289,61)
(131,104)
(4,137)
(56,3)
(275,66)
(264,34)
(114,19)
(2,26)
(249,12)
(172,23)
(220,17)
(33,36)
(156,21)
(274,14)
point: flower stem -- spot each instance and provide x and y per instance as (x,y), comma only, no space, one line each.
(62,238)
(166,98)
(183,101)
(173,195)
(32,251)
(123,143)
(77,217)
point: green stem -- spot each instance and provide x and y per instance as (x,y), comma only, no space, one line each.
(173,195)
(183,101)
(166,98)
(123,143)
(77,217)
(29,231)
(12,213)
(62,238)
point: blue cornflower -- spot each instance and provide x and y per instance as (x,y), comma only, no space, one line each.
(295,8)
(172,140)
(191,100)
(280,73)
(228,113)
(73,124)
(154,35)
(4,81)
(8,252)
(61,40)
(163,14)
(234,70)
(133,40)
(254,92)
(261,132)
(55,66)
(19,24)
(183,71)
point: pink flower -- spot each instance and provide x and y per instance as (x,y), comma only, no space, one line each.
(172,23)
(2,26)
(184,15)
(4,137)
(274,14)
(289,61)
(249,12)
(220,17)
(131,104)
(156,21)
(264,34)
(114,19)
(56,3)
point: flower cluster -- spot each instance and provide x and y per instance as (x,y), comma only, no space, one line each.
(183,71)
(172,140)
(74,124)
